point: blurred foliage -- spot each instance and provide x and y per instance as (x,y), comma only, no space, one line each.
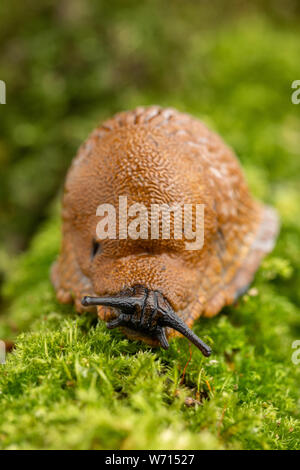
(67,65)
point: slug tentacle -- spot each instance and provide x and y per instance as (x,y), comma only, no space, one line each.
(115,322)
(161,337)
(173,321)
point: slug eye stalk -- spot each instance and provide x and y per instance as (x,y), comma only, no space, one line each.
(148,312)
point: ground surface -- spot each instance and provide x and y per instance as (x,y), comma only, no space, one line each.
(71,383)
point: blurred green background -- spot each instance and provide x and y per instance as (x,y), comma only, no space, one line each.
(70,64)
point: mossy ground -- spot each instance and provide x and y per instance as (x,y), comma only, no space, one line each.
(71,383)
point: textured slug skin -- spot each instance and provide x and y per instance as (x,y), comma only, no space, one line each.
(154,156)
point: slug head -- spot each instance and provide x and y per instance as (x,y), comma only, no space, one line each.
(147,312)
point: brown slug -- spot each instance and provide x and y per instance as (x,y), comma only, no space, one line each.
(154,287)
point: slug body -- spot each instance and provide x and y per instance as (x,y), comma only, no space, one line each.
(155,288)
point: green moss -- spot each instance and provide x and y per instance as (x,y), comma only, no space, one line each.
(71,383)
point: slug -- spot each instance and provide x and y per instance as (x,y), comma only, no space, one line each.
(155,287)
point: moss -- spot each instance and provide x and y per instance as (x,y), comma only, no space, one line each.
(71,383)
